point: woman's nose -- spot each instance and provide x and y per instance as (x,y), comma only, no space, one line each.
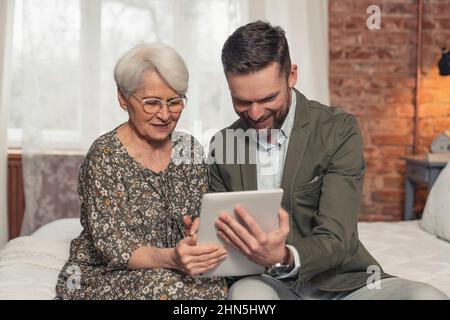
(164,113)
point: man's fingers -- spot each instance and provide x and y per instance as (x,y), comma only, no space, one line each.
(283,218)
(226,239)
(251,224)
(230,228)
(235,229)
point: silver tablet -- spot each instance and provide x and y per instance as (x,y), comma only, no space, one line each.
(262,205)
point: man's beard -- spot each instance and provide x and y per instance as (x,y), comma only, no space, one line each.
(277,121)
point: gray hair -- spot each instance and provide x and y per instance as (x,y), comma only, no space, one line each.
(159,57)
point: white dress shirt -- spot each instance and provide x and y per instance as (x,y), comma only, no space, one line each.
(270,164)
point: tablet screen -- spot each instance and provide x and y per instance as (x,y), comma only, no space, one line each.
(262,205)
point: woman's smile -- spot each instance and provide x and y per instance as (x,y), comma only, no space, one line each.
(162,127)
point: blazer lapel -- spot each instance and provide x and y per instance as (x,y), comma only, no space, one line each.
(296,148)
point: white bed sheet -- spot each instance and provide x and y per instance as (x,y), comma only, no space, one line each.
(29,266)
(405,250)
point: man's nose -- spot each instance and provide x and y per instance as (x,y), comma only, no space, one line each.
(255,112)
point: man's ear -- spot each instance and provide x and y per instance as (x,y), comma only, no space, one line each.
(292,79)
(122,101)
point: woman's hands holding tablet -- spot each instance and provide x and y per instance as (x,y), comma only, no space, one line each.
(195,259)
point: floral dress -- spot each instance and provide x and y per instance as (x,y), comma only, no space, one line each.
(125,206)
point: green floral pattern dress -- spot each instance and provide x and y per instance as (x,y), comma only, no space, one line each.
(124,206)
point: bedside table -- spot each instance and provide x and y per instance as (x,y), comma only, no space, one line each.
(418,171)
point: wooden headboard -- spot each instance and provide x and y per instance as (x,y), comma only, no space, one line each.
(16,199)
(66,208)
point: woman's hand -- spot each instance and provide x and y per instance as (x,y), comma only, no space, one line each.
(195,259)
(191,228)
(187,256)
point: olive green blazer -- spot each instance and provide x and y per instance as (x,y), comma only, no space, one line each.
(322,182)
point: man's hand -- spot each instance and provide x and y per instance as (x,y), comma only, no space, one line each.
(263,248)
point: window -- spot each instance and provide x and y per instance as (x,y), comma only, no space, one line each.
(63,93)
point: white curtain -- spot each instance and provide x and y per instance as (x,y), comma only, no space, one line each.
(63,94)
(6,12)
(306,26)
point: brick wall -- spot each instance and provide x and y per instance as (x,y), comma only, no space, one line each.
(372,75)
(435,97)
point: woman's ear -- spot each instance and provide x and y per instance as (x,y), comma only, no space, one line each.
(122,101)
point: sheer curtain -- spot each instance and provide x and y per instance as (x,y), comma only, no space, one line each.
(6,11)
(306,26)
(63,94)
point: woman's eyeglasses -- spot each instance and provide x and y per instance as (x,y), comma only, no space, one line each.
(154,105)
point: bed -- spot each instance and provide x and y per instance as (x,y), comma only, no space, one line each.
(30,265)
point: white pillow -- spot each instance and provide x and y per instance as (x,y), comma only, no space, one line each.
(436,215)
(61,229)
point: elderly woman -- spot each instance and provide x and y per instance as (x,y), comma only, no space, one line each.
(137,203)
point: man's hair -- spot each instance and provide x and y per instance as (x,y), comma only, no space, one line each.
(253,47)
